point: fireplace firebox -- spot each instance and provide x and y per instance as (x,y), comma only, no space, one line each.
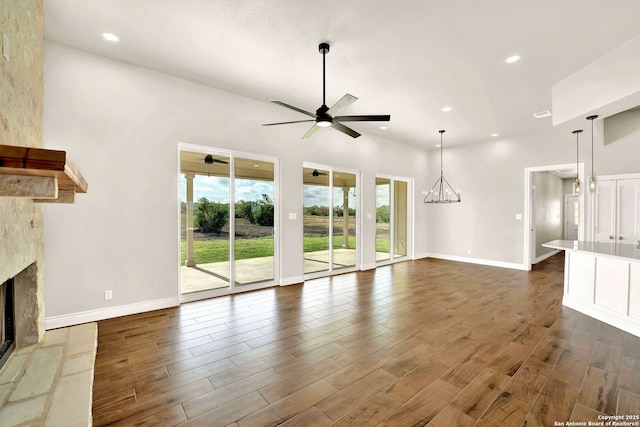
(7,326)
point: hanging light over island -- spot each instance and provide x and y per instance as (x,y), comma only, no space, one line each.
(442,191)
(577,185)
(593,182)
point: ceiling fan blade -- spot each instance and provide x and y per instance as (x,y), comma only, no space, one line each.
(370,118)
(343,102)
(342,128)
(291,107)
(286,123)
(311,131)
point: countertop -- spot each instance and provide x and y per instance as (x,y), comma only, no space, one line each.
(609,249)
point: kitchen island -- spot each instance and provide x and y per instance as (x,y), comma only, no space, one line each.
(602,280)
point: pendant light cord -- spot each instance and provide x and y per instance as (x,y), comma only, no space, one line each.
(441,167)
(577,132)
(592,118)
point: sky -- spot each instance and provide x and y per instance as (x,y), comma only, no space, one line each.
(216,189)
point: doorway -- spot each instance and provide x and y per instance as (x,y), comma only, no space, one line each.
(571,216)
(532,222)
(331,216)
(392,219)
(228,213)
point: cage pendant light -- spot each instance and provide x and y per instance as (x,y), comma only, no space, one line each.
(577,186)
(593,182)
(442,191)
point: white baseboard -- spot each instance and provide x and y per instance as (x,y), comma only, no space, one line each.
(293,280)
(421,256)
(547,255)
(65,320)
(365,267)
(488,262)
(626,324)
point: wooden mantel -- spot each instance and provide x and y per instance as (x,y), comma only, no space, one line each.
(31,172)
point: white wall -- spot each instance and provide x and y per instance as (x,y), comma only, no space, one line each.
(607,86)
(121,126)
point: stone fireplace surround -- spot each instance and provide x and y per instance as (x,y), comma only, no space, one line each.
(48,379)
(48,369)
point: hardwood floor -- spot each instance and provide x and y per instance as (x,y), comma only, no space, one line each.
(426,342)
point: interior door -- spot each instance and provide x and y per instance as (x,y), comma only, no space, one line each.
(605,220)
(628,228)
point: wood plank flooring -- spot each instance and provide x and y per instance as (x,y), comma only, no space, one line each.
(425,342)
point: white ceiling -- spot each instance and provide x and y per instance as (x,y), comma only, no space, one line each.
(407,58)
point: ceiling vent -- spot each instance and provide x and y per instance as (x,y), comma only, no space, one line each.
(541,114)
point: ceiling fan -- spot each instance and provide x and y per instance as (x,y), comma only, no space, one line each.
(209,160)
(318,173)
(322,118)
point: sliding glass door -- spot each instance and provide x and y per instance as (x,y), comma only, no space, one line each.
(330,220)
(392,218)
(228,212)
(254,214)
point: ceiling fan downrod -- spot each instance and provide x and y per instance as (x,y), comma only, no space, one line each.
(324,49)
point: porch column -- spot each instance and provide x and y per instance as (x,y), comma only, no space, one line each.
(345,217)
(190,262)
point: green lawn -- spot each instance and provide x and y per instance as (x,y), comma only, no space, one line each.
(217,250)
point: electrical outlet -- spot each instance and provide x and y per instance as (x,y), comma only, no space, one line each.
(5,46)
(108,294)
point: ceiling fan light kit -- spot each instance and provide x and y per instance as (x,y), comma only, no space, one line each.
(442,191)
(322,116)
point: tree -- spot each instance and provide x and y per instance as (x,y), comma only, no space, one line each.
(264,212)
(382,213)
(244,210)
(211,217)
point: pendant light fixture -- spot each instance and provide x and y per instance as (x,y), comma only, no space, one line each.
(442,191)
(593,182)
(577,187)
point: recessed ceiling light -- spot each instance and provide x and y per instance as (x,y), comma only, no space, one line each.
(512,59)
(383,127)
(495,134)
(541,114)
(110,37)
(446,109)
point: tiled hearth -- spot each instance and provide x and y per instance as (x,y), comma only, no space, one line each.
(50,383)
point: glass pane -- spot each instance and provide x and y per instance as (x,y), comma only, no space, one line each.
(344,220)
(204,197)
(383,219)
(316,220)
(254,216)
(399,219)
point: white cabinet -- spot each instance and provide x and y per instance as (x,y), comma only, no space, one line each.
(617,210)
